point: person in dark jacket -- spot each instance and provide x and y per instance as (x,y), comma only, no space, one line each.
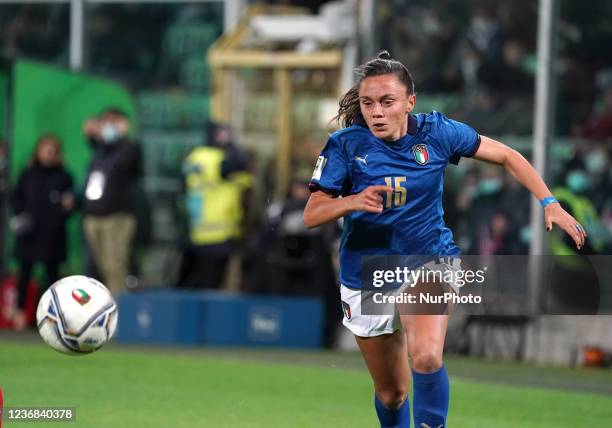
(111,194)
(42,202)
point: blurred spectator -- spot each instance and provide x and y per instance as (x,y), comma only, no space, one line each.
(497,236)
(576,93)
(485,32)
(426,28)
(216,177)
(111,196)
(501,94)
(489,222)
(288,258)
(509,77)
(572,267)
(606,215)
(286,247)
(574,197)
(468,190)
(480,46)
(42,201)
(597,166)
(486,200)
(599,126)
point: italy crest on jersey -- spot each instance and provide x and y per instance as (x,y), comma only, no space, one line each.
(421,155)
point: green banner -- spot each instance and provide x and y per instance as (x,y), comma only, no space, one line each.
(47,99)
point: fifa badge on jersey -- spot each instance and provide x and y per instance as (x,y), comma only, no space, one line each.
(346,309)
(421,155)
(316,175)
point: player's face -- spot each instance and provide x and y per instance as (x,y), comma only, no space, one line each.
(385,105)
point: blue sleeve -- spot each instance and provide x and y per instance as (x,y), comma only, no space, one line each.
(463,140)
(331,171)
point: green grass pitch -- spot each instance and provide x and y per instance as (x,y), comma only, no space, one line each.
(138,388)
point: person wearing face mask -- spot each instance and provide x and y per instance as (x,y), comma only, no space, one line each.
(484,203)
(42,200)
(111,192)
(573,196)
(570,266)
(597,166)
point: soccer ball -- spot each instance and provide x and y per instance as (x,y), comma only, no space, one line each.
(76,315)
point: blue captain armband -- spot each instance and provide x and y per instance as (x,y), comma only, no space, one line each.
(548,200)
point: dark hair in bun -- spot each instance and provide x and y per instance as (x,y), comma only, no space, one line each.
(384,55)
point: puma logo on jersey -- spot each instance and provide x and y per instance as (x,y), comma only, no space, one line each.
(364,159)
(424,425)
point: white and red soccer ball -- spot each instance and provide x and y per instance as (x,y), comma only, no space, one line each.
(76,315)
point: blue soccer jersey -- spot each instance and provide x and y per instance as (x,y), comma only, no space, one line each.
(412,218)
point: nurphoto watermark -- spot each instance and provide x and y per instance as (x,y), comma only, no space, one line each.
(486,285)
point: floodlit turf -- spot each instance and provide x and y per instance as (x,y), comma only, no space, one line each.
(135,388)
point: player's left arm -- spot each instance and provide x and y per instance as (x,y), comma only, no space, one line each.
(493,151)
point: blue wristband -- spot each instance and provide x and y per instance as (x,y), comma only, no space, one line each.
(548,200)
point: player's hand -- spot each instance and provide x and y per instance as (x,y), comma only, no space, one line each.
(370,199)
(554,214)
(91,128)
(67,201)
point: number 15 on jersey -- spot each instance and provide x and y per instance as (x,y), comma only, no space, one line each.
(397,197)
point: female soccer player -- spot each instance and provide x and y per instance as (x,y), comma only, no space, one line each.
(388,166)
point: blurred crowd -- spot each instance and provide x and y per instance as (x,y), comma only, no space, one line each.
(476,58)
(488,210)
(152,53)
(481,56)
(476,62)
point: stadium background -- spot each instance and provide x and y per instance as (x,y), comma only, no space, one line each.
(173,66)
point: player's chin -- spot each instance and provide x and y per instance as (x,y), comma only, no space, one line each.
(383,134)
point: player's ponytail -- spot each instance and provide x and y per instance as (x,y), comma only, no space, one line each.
(349,111)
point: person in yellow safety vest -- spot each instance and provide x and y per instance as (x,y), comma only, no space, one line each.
(582,209)
(573,267)
(216,177)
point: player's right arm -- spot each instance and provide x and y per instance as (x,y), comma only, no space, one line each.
(323,207)
(328,181)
